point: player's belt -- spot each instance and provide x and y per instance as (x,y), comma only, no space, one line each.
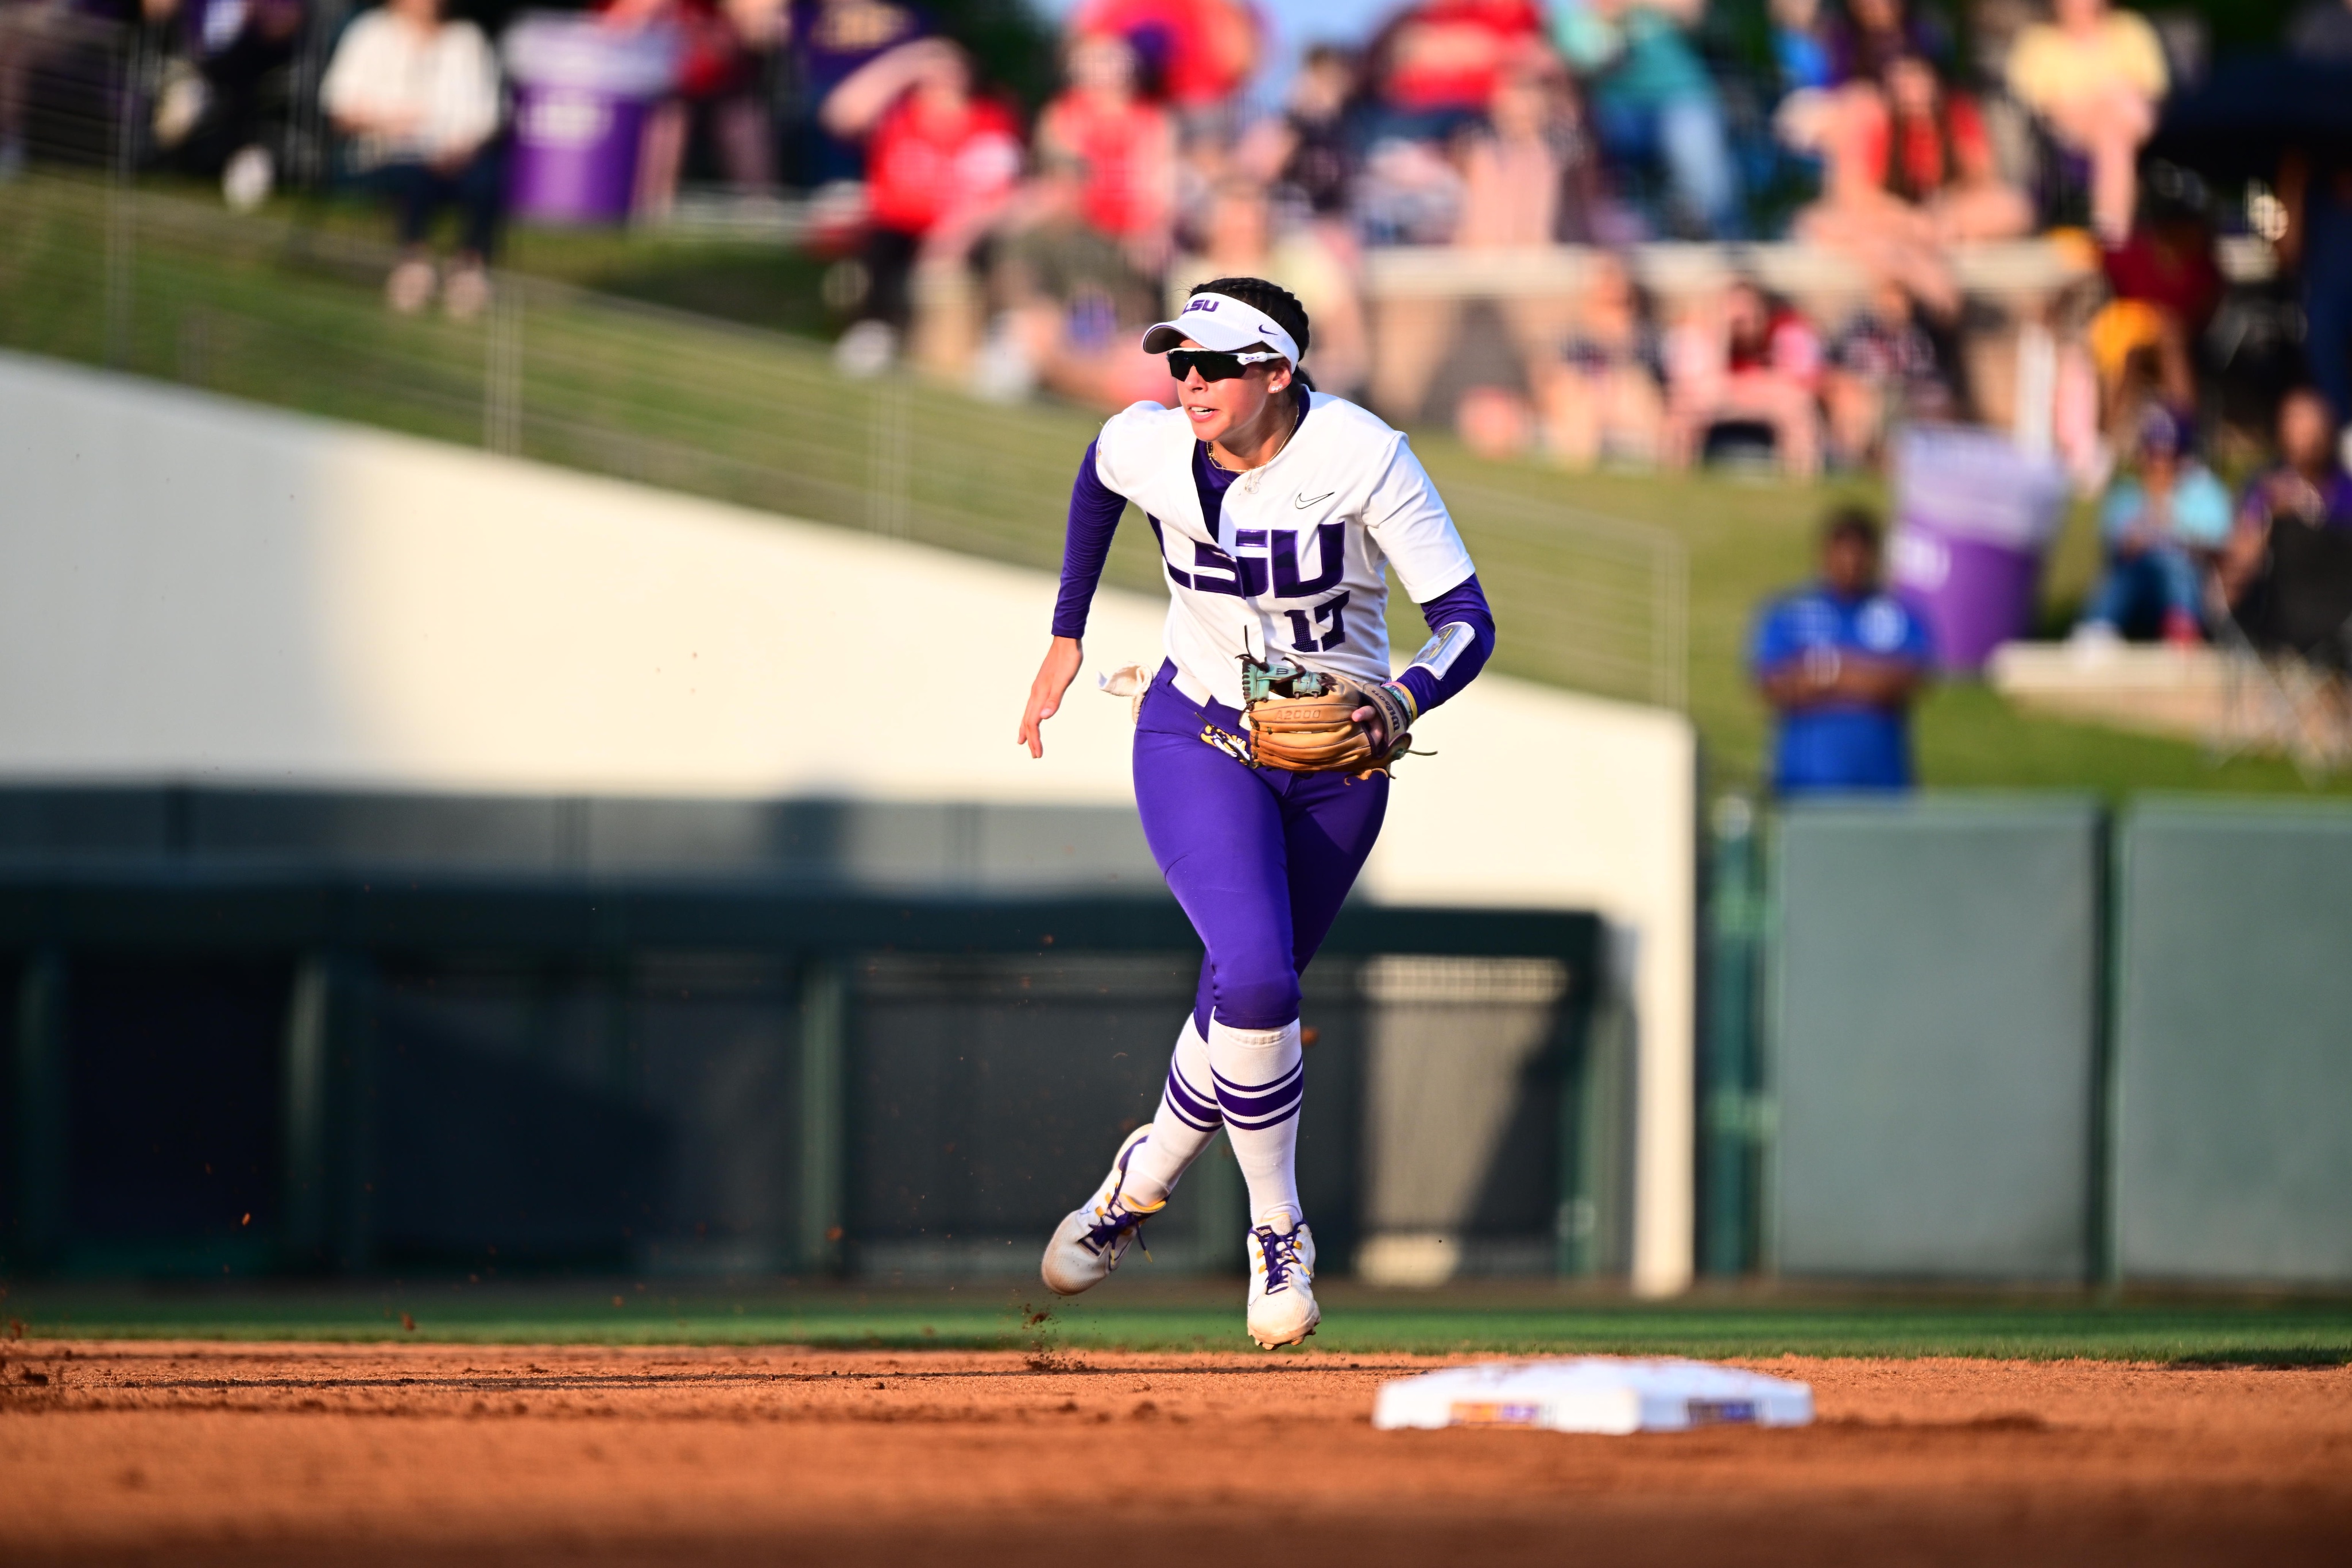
(1192,689)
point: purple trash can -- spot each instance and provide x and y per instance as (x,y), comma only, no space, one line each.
(581,94)
(1973,515)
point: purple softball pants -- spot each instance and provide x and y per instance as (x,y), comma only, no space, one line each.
(1260,859)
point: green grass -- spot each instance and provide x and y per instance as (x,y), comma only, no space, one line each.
(286,311)
(762,286)
(1492,1319)
(750,282)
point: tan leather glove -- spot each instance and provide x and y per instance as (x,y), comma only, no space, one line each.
(1321,735)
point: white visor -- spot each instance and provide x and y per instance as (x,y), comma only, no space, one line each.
(1223,322)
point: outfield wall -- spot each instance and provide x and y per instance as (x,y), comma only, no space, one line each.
(200,590)
(2233,1086)
(1938,1038)
(2014,1038)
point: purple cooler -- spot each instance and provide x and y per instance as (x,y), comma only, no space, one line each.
(1973,515)
(581,94)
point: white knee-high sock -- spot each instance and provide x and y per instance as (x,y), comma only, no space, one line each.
(1261,1077)
(1186,1121)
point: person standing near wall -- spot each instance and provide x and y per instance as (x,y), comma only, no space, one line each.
(1840,661)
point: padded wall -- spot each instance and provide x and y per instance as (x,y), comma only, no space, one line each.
(1937,977)
(2233,1044)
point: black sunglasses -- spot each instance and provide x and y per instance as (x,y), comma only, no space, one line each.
(1214,365)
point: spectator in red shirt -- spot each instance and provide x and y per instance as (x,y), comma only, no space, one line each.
(1936,155)
(941,163)
(1125,145)
(1910,172)
(1437,65)
(1745,358)
(1196,53)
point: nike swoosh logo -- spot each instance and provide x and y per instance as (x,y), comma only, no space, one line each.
(1305,501)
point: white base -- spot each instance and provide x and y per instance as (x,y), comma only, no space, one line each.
(1592,1393)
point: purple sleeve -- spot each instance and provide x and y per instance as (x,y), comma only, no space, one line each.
(1095,511)
(1465,605)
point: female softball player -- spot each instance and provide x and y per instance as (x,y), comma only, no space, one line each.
(1261,745)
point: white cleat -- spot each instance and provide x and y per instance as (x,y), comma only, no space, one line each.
(1282,1308)
(1090,1241)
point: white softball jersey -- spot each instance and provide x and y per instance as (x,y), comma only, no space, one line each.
(1295,564)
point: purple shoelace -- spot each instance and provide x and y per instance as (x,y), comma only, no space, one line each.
(1281,1255)
(1111,1219)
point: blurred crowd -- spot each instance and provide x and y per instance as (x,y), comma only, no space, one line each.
(1860,124)
(1498,124)
(1019,244)
(2186,561)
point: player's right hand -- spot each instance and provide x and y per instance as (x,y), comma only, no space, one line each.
(1063,659)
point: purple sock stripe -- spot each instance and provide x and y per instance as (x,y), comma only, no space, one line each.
(1176,1076)
(1262,1115)
(1190,1105)
(1175,1108)
(1257,1100)
(1260,1124)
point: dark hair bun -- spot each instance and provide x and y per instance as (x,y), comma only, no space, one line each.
(1271,298)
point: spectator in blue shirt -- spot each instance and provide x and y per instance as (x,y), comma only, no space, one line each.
(1654,100)
(1840,661)
(2161,524)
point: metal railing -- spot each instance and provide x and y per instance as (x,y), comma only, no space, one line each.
(288,310)
(1604,600)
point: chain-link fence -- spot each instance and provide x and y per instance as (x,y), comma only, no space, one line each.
(287,310)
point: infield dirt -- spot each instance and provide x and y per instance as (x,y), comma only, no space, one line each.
(197,1454)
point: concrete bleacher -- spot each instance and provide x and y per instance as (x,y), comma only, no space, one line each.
(2150,688)
(2009,270)
(1444,317)
(2231,703)
(1423,300)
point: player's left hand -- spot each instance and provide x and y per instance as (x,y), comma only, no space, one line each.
(1385,722)
(1045,693)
